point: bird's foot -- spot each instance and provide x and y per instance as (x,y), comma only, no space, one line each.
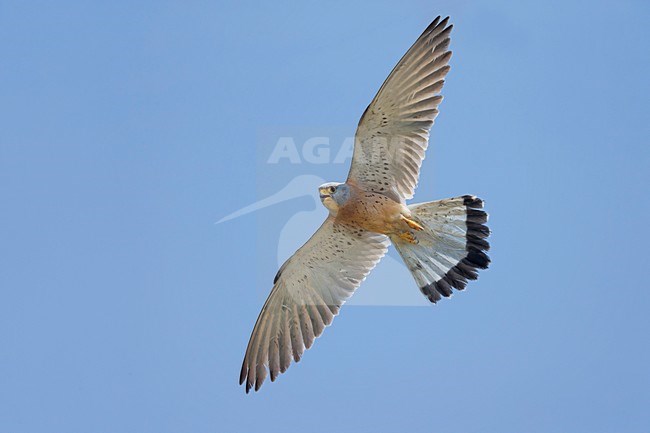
(411,223)
(408,237)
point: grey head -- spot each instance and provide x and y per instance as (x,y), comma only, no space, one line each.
(334,195)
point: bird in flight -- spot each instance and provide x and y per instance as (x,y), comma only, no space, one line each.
(443,243)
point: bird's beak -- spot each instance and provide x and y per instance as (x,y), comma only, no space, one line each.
(323,193)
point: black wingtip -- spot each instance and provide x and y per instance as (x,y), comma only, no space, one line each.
(243,374)
(437,24)
(443,23)
(431,26)
(248,387)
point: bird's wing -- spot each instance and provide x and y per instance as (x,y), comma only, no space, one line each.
(393,132)
(308,291)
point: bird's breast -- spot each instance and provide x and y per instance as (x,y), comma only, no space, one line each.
(371,211)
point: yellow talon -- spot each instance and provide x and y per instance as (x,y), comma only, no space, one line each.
(408,237)
(413,224)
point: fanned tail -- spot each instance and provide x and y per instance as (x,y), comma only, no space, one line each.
(450,249)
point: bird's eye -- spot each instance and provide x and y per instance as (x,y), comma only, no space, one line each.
(332,189)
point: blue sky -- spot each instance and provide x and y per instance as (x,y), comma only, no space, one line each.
(127,131)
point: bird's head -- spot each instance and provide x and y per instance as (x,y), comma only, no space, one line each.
(334,195)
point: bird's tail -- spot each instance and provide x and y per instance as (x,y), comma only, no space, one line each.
(449,249)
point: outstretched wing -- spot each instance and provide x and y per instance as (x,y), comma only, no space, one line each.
(393,132)
(308,291)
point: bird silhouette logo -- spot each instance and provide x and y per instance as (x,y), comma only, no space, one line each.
(379,289)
